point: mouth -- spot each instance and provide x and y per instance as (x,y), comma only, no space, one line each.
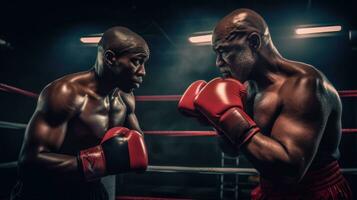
(137,81)
(226,74)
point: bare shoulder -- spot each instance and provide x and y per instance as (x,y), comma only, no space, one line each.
(307,78)
(62,95)
(307,88)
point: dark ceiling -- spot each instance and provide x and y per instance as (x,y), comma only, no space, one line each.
(33,18)
(45,37)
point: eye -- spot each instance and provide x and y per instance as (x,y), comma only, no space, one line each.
(220,51)
(223,52)
(136,61)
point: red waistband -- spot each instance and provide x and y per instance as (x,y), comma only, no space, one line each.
(313,180)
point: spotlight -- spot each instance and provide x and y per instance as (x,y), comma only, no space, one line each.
(315,30)
(90,39)
(201,38)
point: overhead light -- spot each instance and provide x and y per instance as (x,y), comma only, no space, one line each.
(315,30)
(4,43)
(90,39)
(201,38)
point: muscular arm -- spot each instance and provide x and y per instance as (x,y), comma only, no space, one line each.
(46,132)
(288,152)
(131,121)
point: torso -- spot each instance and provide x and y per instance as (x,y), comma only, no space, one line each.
(97,115)
(265,106)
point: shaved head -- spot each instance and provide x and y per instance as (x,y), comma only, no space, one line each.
(242,42)
(121,58)
(239,22)
(121,40)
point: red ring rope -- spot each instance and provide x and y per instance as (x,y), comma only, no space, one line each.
(12,89)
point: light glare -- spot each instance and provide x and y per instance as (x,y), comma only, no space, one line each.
(314,30)
(201,39)
(90,40)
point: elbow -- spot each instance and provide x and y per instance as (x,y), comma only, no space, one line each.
(295,170)
(292,176)
(23,165)
(287,173)
(26,164)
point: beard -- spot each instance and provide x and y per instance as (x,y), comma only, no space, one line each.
(243,64)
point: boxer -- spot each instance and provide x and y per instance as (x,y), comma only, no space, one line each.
(283,115)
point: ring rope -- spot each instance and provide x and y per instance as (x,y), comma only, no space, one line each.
(12,89)
(147,198)
(200,170)
(177,133)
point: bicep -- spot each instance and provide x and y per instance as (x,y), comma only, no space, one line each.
(300,131)
(57,104)
(132,122)
(42,135)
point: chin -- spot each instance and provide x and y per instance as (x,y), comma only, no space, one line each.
(130,87)
(242,80)
(133,87)
(241,77)
(126,89)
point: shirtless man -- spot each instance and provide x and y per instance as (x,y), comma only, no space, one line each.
(285,118)
(85,127)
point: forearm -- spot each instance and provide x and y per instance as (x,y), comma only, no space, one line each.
(51,164)
(272,159)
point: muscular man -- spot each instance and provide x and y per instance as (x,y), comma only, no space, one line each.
(285,118)
(85,127)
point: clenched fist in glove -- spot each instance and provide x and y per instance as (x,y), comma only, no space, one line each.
(186,105)
(221,102)
(121,150)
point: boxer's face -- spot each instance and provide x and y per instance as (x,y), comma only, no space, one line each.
(235,57)
(129,67)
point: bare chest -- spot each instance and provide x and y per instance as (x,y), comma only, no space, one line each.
(265,107)
(100,114)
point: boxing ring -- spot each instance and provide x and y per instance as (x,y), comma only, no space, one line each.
(172,133)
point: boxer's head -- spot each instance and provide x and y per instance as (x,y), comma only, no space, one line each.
(122,54)
(237,40)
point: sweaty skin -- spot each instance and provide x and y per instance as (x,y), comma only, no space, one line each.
(296,107)
(75,111)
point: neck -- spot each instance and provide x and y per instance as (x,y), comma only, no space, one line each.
(268,70)
(105,82)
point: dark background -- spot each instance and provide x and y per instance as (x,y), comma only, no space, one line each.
(45,46)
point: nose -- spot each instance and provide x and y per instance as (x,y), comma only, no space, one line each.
(141,71)
(219,61)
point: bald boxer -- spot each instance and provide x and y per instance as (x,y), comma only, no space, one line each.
(84,126)
(283,115)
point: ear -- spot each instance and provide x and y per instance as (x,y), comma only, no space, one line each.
(109,57)
(254,40)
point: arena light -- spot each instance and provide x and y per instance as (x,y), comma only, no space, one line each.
(315,30)
(201,38)
(90,39)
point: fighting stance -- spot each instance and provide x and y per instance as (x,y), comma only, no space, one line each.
(85,127)
(285,118)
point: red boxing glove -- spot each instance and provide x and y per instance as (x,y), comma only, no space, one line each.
(185,105)
(121,150)
(221,101)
